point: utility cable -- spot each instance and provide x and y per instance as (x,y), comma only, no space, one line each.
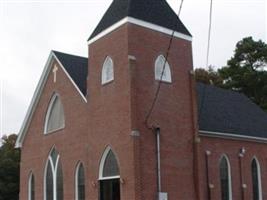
(163,70)
(209,33)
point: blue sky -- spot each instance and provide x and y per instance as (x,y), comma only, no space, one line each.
(30,29)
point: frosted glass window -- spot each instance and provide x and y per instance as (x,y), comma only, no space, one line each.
(31,187)
(225,178)
(107,71)
(256,180)
(165,75)
(111,167)
(55,119)
(54,178)
(80,183)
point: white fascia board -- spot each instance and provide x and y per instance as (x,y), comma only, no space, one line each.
(34,101)
(37,94)
(142,23)
(232,136)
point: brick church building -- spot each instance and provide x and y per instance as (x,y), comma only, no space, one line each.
(87,134)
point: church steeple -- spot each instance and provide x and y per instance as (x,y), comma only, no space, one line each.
(157,12)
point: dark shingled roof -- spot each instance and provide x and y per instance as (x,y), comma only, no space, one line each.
(220,110)
(77,67)
(226,111)
(154,11)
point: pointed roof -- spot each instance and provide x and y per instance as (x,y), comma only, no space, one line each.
(157,12)
(77,68)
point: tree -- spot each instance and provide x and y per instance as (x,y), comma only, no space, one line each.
(246,70)
(9,169)
(209,76)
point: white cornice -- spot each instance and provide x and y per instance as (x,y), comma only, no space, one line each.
(232,136)
(142,23)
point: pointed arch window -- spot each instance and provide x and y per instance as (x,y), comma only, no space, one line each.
(256,179)
(109,176)
(31,187)
(79,182)
(55,118)
(165,75)
(225,178)
(107,71)
(53,177)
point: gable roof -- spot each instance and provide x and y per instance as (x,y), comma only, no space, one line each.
(225,111)
(77,68)
(220,110)
(157,12)
(71,62)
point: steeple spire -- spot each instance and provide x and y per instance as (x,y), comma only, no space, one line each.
(156,12)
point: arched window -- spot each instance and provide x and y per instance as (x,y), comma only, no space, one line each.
(225,178)
(107,71)
(53,177)
(79,182)
(256,179)
(31,187)
(54,119)
(109,176)
(159,66)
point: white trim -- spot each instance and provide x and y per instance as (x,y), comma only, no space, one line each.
(48,113)
(229,175)
(80,164)
(142,23)
(259,176)
(102,163)
(37,94)
(109,178)
(232,136)
(54,173)
(30,186)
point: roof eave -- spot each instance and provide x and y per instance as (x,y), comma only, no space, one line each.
(141,23)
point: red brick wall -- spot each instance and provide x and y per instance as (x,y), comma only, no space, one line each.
(112,112)
(231,148)
(172,113)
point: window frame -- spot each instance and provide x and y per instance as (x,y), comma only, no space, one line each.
(230,194)
(102,163)
(78,167)
(48,113)
(104,79)
(167,70)
(30,188)
(258,177)
(54,168)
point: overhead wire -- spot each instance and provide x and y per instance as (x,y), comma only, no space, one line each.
(209,34)
(204,93)
(163,70)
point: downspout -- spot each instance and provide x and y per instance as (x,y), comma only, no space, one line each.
(157,131)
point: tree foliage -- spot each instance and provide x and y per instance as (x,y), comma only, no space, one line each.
(209,76)
(245,71)
(9,169)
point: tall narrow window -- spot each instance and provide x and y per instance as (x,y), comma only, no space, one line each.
(80,182)
(225,177)
(54,119)
(31,187)
(109,176)
(107,71)
(256,180)
(53,178)
(160,65)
